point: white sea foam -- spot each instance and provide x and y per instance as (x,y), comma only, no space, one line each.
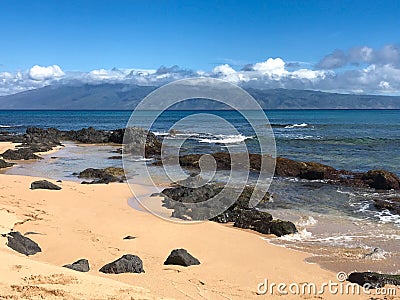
(305,221)
(10,126)
(225,139)
(386,216)
(377,254)
(156,133)
(296,237)
(296,126)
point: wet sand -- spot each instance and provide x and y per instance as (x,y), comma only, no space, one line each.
(90,221)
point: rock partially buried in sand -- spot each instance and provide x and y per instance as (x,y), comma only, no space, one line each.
(374,280)
(22,244)
(81,265)
(44,184)
(181,257)
(4,164)
(129,237)
(20,154)
(128,263)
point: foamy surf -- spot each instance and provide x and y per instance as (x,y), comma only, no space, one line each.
(302,235)
(306,221)
(225,139)
(302,125)
(10,126)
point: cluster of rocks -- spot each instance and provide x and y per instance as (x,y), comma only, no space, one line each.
(284,167)
(128,263)
(107,175)
(137,141)
(240,212)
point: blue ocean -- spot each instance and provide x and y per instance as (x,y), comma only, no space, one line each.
(331,219)
(356,140)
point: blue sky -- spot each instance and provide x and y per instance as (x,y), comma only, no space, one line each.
(196,35)
(85,35)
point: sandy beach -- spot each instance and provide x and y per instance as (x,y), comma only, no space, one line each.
(90,221)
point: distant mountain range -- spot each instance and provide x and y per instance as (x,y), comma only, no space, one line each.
(125,97)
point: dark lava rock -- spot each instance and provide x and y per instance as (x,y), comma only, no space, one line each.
(284,167)
(287,168)
(181,257)
(280,228)
(138,141)
(128,263)
(90,136)
(181,200)
(392,204)
(4,164)
(22,244)
(306,170)
(375,280)
(129,237)
(103,176)
(81,265)
(253,219)
(44,184)
(20,154)
(381,180)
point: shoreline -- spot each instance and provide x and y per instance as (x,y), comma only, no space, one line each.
(248,247)
(75,214)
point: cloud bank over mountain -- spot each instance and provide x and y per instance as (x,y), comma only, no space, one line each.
(362,70)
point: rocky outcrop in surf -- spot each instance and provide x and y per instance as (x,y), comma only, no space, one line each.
(240,213)
(391,204)
(137,141)
(285,167)
(102,176)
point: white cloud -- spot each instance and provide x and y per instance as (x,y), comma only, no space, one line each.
(227,73)
(309,74)
(40,73)
(384,85)
(275,68)
(373,76)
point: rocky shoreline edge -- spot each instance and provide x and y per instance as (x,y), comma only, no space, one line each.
(40,140)
(137,141)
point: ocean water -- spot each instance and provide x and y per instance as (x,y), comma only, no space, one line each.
(336,222)
(356,140)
